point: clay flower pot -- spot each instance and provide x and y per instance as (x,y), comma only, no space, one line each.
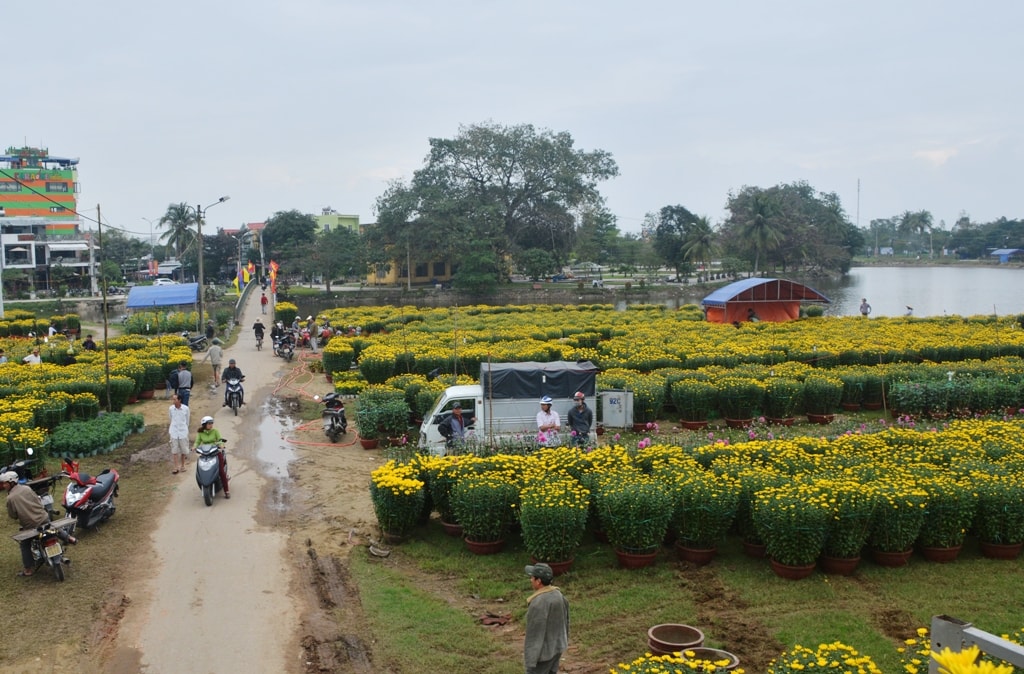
(669,638)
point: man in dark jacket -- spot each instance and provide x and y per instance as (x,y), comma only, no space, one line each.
(580,419)
(232,371)
(547,623)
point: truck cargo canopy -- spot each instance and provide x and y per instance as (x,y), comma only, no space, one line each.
(558,379)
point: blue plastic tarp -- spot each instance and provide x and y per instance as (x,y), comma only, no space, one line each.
(147,297)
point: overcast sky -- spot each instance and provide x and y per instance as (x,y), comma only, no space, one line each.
(304,104)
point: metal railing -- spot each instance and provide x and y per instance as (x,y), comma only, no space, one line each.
(948,632)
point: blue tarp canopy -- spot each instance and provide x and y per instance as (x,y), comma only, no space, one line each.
(147,297)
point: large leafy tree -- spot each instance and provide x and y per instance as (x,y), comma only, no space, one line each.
(673,227)
(288,232)
(790,225)
(498,189)
(597,238)
(338,254)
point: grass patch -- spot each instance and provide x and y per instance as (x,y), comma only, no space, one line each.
(99,569)
(417,631)
(737,601)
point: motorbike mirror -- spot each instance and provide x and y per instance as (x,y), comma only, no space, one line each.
(30,451)
(316,399)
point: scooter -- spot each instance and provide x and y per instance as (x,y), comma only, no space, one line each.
(335,423)
(285,347)
(208,471)
(46,546)
(90,499)
(234,394)
(198,343)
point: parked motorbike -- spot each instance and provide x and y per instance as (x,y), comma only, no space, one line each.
(46,546)
(335,423)
(208,471)
(198,343)
(285,347)
(234,394)
(88,498)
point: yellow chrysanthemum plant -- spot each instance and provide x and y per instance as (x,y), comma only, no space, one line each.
(398,496)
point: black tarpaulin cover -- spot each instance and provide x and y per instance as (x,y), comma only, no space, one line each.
(558,379)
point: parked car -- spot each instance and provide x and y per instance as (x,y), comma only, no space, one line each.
(165,282)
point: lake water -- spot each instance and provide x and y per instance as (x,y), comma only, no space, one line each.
(932,291)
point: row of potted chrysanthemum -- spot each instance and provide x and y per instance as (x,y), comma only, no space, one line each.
(638,501)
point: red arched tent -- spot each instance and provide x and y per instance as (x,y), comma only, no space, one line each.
(771,299)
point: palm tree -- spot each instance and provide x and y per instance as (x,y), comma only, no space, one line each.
(700,243)
(181,234)
(761,227)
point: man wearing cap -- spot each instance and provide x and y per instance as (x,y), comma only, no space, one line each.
(548,423)
(547,623)
(580,418)
(453,428)
(232,371)
(24,505)
(33,358)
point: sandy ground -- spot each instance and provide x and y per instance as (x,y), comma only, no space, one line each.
(239,586)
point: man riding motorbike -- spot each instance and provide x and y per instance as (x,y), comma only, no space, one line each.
(232,372)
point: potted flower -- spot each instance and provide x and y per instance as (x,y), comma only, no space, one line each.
(444,473)
(948,516)
(367,417)
(393,419)
(397,495)
(853,391)
(999,522)
(483,504)
(694,399)
(782,398)
(849,525)
(874,388)
(635,510)
(705,507)
(738,399)
(553,517)
(648,399)
(896,522)
(822,394)
(792,519)
(832,657)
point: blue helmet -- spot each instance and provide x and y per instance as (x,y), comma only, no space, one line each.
(546,400)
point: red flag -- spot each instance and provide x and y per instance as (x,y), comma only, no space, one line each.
(274,266)
(252,269)
(273,284)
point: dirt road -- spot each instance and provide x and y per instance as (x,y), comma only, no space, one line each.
(220,596)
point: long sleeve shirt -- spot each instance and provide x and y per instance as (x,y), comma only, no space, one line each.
(547,625)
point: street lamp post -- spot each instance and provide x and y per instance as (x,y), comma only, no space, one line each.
(199,232)
(152,244)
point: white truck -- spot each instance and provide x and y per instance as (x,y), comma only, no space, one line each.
(506,401)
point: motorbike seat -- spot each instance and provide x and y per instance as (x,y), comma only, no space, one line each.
(103,484)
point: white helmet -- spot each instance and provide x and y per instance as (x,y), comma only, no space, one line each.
(546,400)
(9,476)
(206,420)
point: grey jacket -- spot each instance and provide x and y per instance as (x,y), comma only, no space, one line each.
(547,625)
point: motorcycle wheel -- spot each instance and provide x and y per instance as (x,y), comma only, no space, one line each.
(234,405)
(259,344)
(208,494)
(58,569)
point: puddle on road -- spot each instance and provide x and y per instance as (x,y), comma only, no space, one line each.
(274,453)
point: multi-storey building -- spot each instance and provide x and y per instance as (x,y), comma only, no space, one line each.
(39,224)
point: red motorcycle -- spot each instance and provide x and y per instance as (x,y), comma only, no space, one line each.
(89,498)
